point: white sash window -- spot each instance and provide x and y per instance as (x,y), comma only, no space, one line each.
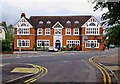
(92,31)
(47,31)
(57,31)
(39,31)
(91,43)
(76,31)
(23,31)
(41,43)
(68,31)
(23,43)
(73,42)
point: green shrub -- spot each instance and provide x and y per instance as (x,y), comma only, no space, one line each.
(63,49)
(73,48)
(67,46)
(35,47)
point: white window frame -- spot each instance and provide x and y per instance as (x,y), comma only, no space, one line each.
(48,22)
(57,29)
(40,22)
(75,31)
(68,22)
(76,22)
(21,43)
(68,31)
(71,42)
(38,30)
(47,31)
(93,30)
(41,43)
(23,32)
(90,41)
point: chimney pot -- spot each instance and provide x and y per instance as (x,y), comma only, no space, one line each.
(23,15)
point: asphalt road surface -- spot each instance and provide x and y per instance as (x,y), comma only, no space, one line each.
(63,66)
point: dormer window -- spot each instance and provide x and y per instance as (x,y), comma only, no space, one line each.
(41,22)
(92,24)
(23,24)
(76,22)
(48,22)
(68,22)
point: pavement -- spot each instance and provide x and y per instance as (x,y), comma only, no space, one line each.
(112,63)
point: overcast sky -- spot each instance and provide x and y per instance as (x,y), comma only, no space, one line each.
(12,9)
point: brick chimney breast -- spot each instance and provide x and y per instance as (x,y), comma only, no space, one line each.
(23,15)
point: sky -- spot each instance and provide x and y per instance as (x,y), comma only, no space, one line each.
(11,10)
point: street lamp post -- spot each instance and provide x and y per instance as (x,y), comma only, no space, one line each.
(19,30)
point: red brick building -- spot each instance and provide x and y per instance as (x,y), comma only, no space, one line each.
(58,31)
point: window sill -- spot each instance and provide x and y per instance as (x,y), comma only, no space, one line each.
(23,46)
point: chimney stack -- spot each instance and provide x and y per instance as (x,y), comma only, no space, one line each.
(23,15)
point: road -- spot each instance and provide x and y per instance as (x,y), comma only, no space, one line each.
(63,66)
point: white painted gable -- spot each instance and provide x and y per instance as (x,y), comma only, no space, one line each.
(23,23)
(57,25)
(92,21)
(2,33)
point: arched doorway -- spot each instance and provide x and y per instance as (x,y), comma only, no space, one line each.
(57,44)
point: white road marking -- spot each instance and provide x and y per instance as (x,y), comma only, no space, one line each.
(65,61)
(103,55)
(17,57)
(83,60)
(1,65)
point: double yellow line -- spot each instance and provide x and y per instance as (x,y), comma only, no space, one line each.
(106,77)
(42,71)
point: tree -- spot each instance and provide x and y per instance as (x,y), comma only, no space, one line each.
(7,44)
(4,24)
(113,14)
(113,34)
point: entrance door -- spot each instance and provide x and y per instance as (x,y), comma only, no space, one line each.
(57,44)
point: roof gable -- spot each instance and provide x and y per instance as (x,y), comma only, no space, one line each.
(57,25)
(92,21)
(23,22)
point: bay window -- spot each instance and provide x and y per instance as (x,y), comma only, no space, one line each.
(23,43)
(41,43)
(73,42)
(91,43)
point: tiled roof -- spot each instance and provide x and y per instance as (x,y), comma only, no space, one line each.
(34,20)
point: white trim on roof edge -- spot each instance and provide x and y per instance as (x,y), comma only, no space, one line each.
(56,24)
(92,17)
(16,25)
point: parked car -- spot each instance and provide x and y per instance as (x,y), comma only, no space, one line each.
(111,46)
(53,49)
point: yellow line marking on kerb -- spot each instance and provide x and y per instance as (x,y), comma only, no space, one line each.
(104,77)
(102,69)
(24,70)
(43,71)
